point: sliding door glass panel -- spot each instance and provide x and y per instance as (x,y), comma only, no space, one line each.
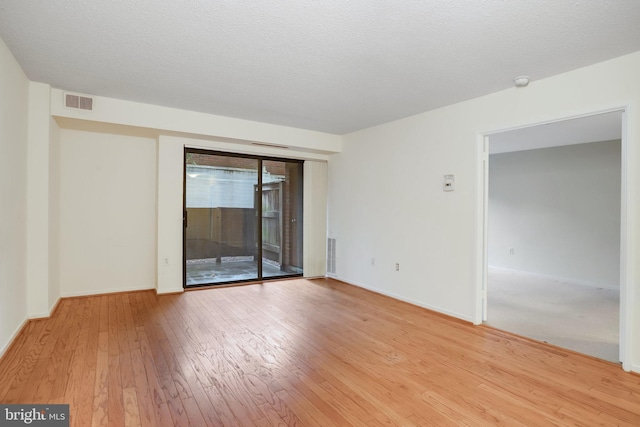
(281,216)
(221,243)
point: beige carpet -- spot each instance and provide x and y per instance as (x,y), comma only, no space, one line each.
(573,316)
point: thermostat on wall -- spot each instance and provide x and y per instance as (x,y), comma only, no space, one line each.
(448,184)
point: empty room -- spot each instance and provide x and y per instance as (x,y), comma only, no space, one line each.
(281,213)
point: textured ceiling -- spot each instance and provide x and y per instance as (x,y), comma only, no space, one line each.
(333,65)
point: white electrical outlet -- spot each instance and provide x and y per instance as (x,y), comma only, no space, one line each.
(449,183)
(397,266)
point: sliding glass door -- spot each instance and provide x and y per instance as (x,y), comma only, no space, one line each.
(281,209)
(243,218)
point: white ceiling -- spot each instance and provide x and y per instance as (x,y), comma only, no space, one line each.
(595,128)
(332,65)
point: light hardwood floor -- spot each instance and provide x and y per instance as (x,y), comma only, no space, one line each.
(299,352)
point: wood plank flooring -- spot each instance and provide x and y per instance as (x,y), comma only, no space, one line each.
(300,353)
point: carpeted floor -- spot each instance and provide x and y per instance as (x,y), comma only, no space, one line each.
(573,316)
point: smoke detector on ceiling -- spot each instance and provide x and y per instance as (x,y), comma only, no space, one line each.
(521,81)
(78,102)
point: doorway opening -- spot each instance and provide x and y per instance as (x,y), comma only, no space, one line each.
(554,240)
(242,218)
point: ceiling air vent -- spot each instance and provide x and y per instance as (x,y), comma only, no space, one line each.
(78,102)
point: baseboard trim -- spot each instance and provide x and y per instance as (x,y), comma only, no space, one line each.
(170,291)
(12,338)
(407,300)
(39,316)
(107,291)
(559,279)
(48,314)
(55,307)
(635,369)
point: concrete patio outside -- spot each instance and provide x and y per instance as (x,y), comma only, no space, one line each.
(231,269)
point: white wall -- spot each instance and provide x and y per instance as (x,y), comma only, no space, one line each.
(314,239)
(38,220)
(559,209)
(386,205)
(107,212)
(170,193)
(386,200)
(14,93)
(54,213)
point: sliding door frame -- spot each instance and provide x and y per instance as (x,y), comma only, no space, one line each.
(258,200)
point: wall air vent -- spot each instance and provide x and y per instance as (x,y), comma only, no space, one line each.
(331,256)
(79,102)
(262,144)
